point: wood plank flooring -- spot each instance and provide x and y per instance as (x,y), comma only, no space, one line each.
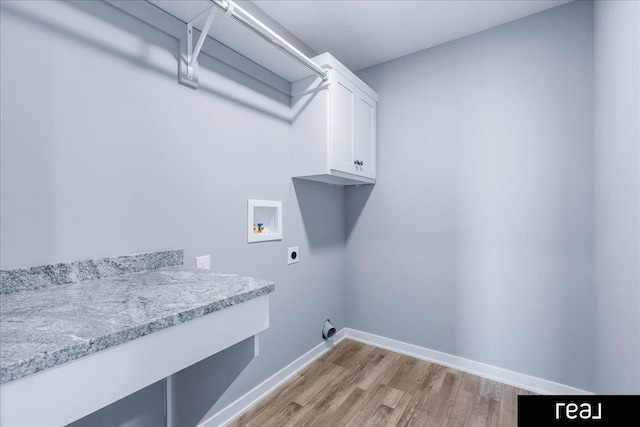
(355,384)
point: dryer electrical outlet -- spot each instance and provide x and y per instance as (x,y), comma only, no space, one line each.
(293,255)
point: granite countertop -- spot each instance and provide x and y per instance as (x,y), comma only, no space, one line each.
(53,324)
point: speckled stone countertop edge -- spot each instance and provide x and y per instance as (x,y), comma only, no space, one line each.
(46,361)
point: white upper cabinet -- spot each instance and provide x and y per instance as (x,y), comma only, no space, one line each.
(334,124)
(365,135)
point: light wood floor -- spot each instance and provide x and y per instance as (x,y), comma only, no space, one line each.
(356,384)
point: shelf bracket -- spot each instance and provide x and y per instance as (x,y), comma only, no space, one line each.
(313,90)
(188,70)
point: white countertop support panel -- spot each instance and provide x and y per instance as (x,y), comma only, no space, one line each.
(65,393)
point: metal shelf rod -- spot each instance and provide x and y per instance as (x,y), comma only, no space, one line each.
(229,7)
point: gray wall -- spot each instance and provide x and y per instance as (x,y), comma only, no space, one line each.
(477,239)
(617,194)
(104,153)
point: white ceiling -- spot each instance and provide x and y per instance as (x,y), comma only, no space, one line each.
(362,33)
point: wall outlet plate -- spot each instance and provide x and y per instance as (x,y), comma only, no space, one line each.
(293,255)
(203,262)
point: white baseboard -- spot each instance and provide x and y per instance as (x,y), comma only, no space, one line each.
(505,376)
(262,390)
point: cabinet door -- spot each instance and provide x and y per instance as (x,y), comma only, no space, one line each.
(343,101)
(365,135)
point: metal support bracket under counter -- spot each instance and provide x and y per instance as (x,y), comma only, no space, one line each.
(69,349)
